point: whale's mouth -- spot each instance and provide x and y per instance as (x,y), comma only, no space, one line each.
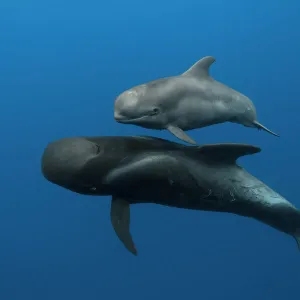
(124,119)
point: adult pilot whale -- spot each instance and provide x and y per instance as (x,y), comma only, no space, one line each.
(150,170)
(185,102)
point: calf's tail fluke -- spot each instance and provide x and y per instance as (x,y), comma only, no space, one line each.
(262,127)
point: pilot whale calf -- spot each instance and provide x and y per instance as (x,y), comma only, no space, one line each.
(185,102)
(141,169)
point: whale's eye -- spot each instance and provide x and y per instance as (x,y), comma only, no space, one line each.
(98,149)
(154,111)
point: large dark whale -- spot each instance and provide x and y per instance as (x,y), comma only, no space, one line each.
(151,170)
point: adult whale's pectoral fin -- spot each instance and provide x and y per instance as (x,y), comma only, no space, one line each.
(120,219)
(262,127)
(179,133)
(297,238)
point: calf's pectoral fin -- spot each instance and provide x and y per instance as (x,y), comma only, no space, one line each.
(120,219)
(179,133)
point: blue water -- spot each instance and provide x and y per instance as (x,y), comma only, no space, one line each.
(62,63)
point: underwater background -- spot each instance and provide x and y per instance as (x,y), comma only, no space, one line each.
(62,64)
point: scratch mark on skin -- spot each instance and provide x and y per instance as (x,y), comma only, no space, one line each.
(209,194)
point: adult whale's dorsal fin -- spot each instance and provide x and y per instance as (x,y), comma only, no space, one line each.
(227,153)
(120,219)
(201,68)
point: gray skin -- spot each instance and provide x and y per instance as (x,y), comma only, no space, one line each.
(150,170)
(185,102)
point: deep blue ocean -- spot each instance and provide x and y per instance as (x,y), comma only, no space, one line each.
(62,64)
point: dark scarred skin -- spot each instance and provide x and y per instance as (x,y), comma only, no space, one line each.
(152,170)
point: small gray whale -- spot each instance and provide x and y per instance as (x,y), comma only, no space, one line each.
(151,170)
(185,102)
